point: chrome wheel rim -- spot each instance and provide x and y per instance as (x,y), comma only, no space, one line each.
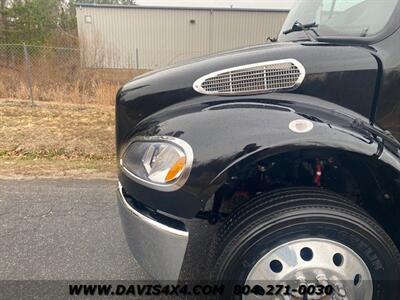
(313,262)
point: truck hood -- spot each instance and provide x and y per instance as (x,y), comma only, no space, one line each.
(343,75)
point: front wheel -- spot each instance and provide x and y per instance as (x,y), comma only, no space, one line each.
(314,243)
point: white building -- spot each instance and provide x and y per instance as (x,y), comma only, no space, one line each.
(147,37)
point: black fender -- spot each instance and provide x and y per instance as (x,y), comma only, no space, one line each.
(228,133)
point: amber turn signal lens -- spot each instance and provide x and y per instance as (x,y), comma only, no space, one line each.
(176,169)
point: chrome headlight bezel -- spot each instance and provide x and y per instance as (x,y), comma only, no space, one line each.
(164,187)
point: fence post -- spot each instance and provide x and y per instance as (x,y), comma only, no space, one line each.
(137,59)
(28,73)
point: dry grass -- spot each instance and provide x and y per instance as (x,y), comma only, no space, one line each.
(71,85)
(54,139)
(71,130)
(46,168)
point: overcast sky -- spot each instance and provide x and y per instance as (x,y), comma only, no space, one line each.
(269,4)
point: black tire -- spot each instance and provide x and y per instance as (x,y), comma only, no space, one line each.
(272,219)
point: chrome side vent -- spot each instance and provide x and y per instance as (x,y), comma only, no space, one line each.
(260,78)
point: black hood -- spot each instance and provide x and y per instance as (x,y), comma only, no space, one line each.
(344,75)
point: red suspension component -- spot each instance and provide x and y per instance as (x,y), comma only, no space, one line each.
(318,173)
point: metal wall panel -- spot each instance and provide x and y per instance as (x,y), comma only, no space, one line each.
(233,29)
(148,38)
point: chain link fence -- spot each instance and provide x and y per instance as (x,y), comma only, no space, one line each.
(56,74)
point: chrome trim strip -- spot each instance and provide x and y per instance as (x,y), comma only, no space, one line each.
(197,85)
(169,187)
(149,221)
(255,104)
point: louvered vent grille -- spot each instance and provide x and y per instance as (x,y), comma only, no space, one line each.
(253,79)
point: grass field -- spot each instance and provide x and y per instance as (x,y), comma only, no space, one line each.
(54,139)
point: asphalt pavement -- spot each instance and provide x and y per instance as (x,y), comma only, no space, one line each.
(60,231)
(63,230)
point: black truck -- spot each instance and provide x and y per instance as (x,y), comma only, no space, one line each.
(288,150)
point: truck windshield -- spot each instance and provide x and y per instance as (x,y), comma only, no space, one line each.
(339,18)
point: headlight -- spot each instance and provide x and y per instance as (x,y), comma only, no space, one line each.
(162,163)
